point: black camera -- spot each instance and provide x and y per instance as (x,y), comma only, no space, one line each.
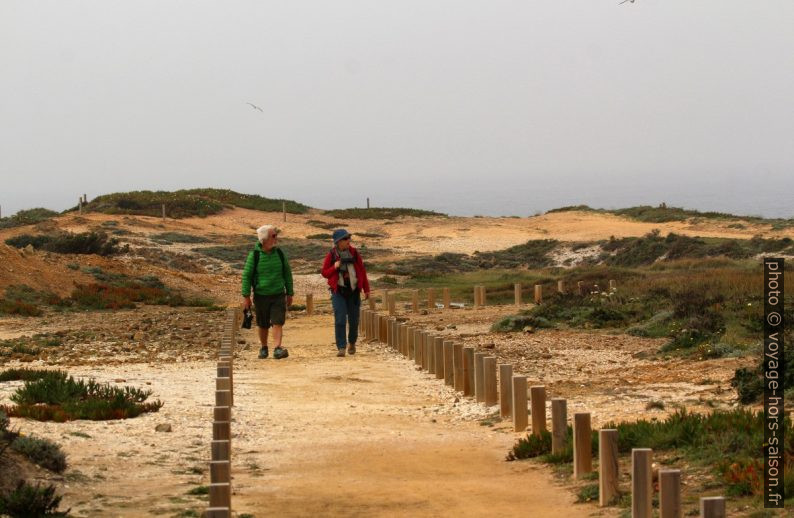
(346,257)
(248,318)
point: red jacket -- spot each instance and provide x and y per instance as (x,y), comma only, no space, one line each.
(332,274)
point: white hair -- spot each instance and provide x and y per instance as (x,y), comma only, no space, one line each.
(263,232)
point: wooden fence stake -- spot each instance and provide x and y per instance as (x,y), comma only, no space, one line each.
(538,293)
(520,417)
(641,483)
(582,453)
(489,378)
(449,352)
(670,493)
(457,367)
(310,304)
(712,507)
(505,389)
(479,378)
(468,371)
(537,395)
(607,466)
(559,425)
(517,293)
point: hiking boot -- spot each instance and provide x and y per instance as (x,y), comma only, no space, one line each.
(279,353)
(263,352)
(340,353)
(351,349)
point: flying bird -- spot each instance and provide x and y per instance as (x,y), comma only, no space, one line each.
(624,1)
(255,107)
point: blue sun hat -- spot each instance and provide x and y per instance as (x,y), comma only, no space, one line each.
(340,234)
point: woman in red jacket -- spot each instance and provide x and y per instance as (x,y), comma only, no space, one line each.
(347,278)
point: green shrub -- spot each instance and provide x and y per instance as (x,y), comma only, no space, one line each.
(4,424)
(40,451)
(187,203)
(27,501)
(27,217)
(25,374)
(381,213)
(531,446)
(587,493)
(57,397)
(324,237)
(98,243)
(519,322)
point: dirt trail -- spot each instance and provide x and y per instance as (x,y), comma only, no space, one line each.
(364,436)
(313,435)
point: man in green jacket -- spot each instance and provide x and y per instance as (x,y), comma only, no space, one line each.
(270,281)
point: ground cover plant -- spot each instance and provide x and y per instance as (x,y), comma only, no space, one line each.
(98,243)
(381,213)
(29,501)
(725,445)
(56,396)
(168,238)
(27,217)
(186,203)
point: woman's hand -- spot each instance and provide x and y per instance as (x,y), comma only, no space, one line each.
(338,264)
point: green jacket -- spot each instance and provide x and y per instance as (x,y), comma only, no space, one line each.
(272,279)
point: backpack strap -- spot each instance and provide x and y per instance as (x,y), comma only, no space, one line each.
(255,273)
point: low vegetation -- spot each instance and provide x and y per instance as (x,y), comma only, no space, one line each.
(169,238)
(27,217)
(98,243)
(662,213)
(56,396)
(382,213)
(724,445)
(29,501)
(187,203)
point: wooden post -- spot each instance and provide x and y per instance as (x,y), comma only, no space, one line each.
(476,303)
(221,431)
(580,288)
(517,293)
(446,297)
(427,343)
(163,210)
(223,398)
(222,413)
(457,367)
(310,304)
(217,512)
(613,285)
(220,471)
(489,378)
(559,425)
(368,202)
(371,302)
(468,371)
(79,206)
(561,286)
(431,298)
(712,507)
(284,210)
(538,293)
(438,350)
(418,347)
(582,452)
(670,493)
(223,384)
(537,395)
(415,300)
(505,389)
(449,352)
(483,301)
(384,300)
(607,466)
(641,483)
(392,303)
(221,495)
(221,450)
(479,378)
(520,417)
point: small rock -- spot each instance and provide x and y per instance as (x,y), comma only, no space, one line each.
(165,427)
(120,380)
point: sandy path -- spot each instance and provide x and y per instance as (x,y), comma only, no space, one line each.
(313,435)
(370,436)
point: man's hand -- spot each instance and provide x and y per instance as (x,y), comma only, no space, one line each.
(338,264)
(247,302)
(289,300)
(366,296)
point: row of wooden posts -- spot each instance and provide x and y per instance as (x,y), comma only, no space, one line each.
(389,298)
(475,375)
(220,488)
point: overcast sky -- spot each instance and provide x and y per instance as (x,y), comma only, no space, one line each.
(468,107)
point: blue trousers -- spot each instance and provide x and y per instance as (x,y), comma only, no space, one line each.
(346,311)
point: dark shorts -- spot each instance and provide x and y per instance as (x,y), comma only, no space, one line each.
(270,310)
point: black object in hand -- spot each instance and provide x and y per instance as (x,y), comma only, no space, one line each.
(248,318)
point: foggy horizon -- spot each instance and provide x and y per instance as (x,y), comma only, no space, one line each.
(495,109)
